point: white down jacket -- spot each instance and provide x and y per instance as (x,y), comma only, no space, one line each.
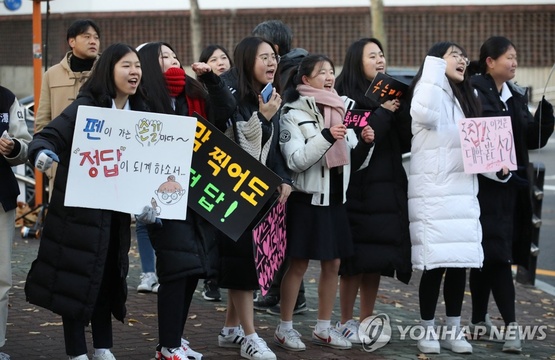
(444,212)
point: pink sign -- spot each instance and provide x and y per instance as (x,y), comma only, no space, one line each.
(487,144)
(269,238)
(356,118)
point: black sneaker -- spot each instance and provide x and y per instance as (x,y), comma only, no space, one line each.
(262,303)
(211,291)
(300,307)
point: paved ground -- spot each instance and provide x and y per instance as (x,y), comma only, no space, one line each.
(35,333)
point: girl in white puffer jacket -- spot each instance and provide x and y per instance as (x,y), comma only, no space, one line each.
(444,212)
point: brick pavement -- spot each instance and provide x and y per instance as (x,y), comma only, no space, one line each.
(35,333)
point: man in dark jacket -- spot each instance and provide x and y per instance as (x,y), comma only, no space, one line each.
(14,137)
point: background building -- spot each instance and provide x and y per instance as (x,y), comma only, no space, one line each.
(327,29)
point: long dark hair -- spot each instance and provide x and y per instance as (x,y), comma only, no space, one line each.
(493,47)
(463,91)
(305,68)
(154,82)
(351,81)
(244,57)
(209,50)
(101,84)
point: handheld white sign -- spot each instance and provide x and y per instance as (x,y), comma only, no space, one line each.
(124,160)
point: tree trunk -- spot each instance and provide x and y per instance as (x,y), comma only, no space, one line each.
(378,28)
(196,34)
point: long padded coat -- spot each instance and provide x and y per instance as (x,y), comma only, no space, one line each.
(67,274)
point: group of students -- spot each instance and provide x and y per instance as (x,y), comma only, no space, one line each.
(349,203)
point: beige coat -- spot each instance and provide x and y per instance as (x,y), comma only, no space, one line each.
(60,87)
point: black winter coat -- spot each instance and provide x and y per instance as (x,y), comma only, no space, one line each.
(377,203)
(67,274)
(506,208)
(183,247)
(237,269)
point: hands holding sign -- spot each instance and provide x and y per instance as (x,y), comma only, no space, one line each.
(367,135)
(392,105)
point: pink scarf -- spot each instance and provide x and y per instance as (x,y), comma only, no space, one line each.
(334,113)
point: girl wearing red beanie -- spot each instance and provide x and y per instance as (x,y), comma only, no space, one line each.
(180,244)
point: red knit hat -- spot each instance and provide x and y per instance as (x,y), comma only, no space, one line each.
(175,80)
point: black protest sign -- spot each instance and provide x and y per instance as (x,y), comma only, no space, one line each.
(384,88)
(228,187)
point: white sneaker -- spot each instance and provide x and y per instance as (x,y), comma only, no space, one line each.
(149,280)
(513,343)
(80,357)
(256,349)
(232,340)
(429,344)
(4,356)
(289,339)
(191,354)
(456,341)
(173,354)
(481,330)
(104,356)
(332,338)
(349,331)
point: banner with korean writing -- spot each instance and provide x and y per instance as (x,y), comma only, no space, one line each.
(270,241)
(228,186)
(384,88)
(123,160)
(487,144)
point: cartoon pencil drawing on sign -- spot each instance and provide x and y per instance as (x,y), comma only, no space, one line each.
(169,193)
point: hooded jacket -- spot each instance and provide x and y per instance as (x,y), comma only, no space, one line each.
(11,121)
(68,271)
(444,213)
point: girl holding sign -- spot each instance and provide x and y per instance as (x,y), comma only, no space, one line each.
(180,245)
(255,128)
(443,207)
(377,195)
(317,148)
(506,209)
(219,60)
(82,264)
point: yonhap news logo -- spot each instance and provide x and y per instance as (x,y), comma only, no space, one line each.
(492,333)
(374,332)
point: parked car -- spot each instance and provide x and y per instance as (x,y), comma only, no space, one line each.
(402,74)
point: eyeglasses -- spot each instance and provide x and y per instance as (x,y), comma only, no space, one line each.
(459,57)
(266,58)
